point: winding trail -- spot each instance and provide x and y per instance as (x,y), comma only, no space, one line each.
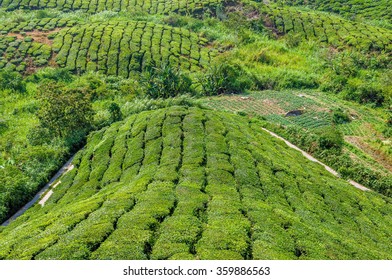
(308,156)
(64,169)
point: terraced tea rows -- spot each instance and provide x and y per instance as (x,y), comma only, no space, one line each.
(46,24)
(325,28)
(151,7)
(377,10)
(182,183)
(115,48)
(25,46)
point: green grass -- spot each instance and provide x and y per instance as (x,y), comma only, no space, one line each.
(184,182)
(237,193)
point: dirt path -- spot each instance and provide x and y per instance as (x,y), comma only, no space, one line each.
(64,169)
(308,156)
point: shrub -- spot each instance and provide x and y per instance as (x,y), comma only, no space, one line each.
(115,112)
(223,79)
(331,138)
(12,80)
(165,81)
(64,112)
(340,117)
(364,92)
(55,74)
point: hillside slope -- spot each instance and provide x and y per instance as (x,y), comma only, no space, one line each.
(353,9)
(188,183)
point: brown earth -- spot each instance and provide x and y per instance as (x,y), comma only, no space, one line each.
(38,36)
(377,155)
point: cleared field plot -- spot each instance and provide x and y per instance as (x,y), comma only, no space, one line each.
(114,48)
(188,183)
(316,110)
(151,7)
(326,28)
(274,106)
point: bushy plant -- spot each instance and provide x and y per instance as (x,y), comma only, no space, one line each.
(165,81)
(64,111)
(12,81)
(364,92)
(339,116)
(54,74)
(224,78)
(331,138)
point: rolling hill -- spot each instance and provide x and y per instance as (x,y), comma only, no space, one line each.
(190,183)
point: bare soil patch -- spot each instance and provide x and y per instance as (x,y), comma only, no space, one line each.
(37,36)
(377,155)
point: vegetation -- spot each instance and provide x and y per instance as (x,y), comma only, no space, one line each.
(165,82)
(177,182)
(321,130)
(153,7)
(355,10)
(161,178)
(327,28)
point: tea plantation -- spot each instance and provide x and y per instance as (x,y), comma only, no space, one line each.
(162,104)
(114,48)
(327,28)
(152,7)
(187,183)
(350,9)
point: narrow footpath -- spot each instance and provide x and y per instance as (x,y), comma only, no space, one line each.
(65,168)
(308,156)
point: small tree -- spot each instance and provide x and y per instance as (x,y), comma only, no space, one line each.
(64,112)
(115,112)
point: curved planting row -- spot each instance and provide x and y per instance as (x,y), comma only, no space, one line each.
(115,48)
(182,183)
(381,9)
(24,46)
(329,29)
(46,24)
(150,6)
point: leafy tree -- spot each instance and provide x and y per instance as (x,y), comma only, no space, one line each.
(64,111)
(115,112)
